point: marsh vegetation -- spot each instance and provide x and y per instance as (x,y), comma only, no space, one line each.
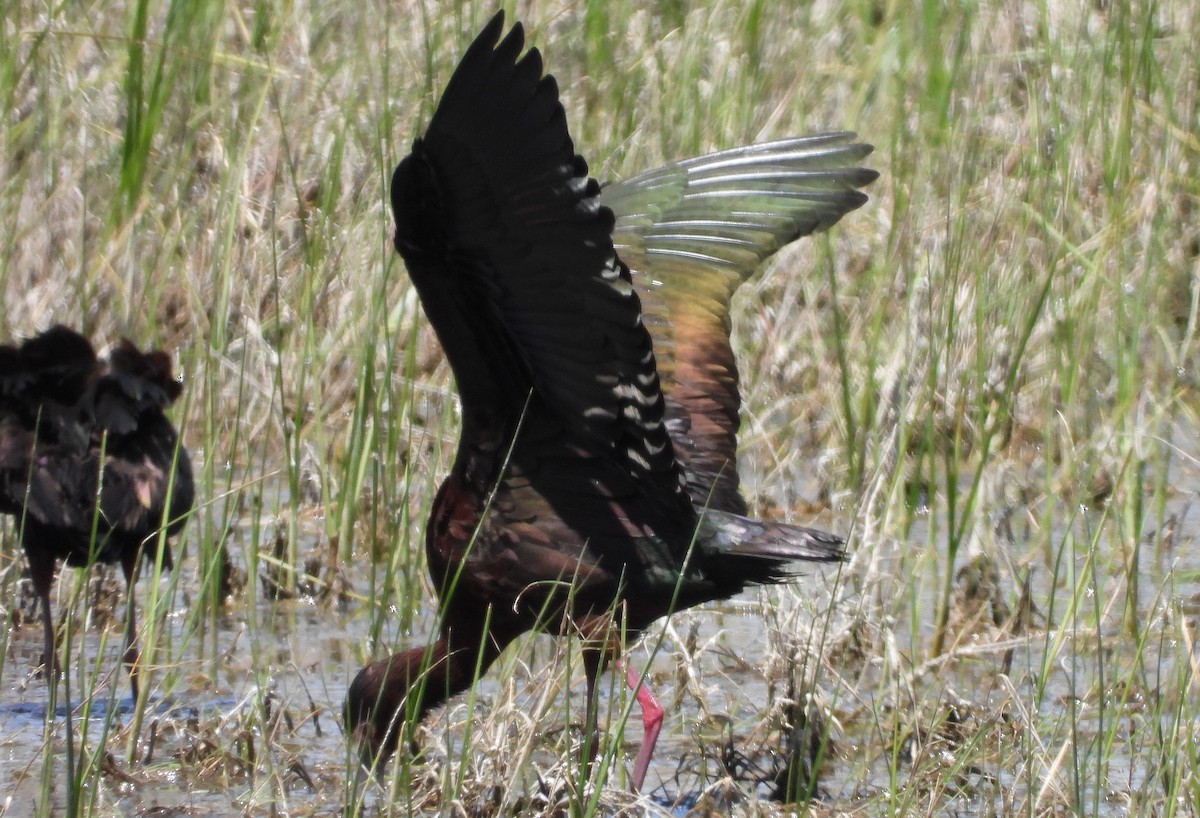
(986,378)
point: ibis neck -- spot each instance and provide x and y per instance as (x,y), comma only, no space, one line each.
(391,694)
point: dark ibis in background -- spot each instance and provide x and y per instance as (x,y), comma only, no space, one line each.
(90,466)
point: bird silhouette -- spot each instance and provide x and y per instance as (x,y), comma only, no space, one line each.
(595,486)
(89,465)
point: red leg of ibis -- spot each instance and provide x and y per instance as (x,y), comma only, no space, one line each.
(652,719)
(652,713)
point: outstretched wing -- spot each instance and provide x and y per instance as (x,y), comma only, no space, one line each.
(512,255)
(692,232)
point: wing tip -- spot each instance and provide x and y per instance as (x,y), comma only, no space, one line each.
(490,35)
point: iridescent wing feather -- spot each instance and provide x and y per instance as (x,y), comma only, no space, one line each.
(692,232)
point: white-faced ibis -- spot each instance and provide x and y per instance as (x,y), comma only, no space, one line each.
(90,466)
(595,486)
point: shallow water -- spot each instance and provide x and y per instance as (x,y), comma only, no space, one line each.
(247,719)
(309,650)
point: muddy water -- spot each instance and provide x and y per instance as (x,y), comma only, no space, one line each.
(247,719)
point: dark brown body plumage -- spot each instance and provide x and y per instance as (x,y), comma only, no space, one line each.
(90,466)
(595,487)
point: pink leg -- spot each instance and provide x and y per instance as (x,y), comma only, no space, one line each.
(652,718)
